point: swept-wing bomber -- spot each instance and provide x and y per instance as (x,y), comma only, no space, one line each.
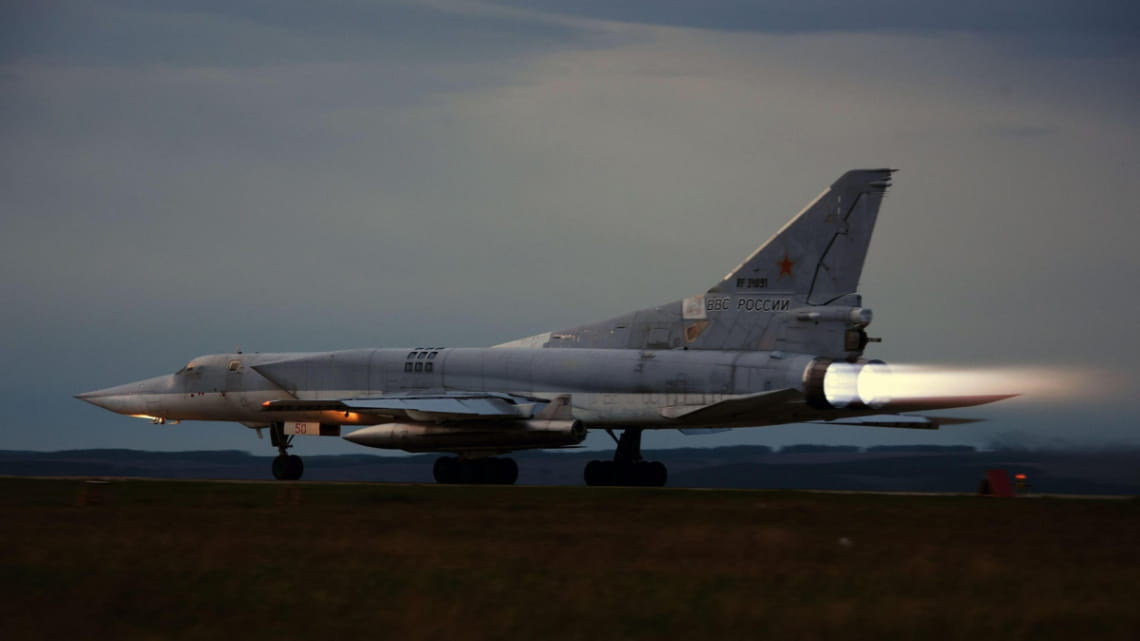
(780,339)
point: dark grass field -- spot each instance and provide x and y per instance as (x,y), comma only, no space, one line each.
(214,560)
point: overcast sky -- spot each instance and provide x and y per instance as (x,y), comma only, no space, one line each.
(179,179)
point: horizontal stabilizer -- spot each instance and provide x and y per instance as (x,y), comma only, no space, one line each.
(703,431)
(731,409)
(901,421)
(942,402)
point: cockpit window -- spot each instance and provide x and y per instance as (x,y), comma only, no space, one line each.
(188,368)
(235,365)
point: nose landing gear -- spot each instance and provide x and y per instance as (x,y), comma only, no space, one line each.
(286,467)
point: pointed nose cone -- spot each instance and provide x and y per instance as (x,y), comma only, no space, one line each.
(99,397)
(89,397)
(125,399)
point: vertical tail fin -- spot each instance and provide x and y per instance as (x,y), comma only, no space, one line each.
(818,256)
(816,259)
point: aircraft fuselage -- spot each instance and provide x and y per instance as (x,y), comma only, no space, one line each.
(608,387)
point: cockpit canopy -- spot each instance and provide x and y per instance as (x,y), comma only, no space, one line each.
(231,362)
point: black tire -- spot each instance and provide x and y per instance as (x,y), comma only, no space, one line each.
(468,472)
(637,475)
(294,467)
(598,473)
(279,468)
(485,471)
(444,469)
(625,474)
(508,471)
(590,473)
(658,474)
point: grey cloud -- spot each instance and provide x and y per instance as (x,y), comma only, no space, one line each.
(1069,17)
(1018,131)
(1048,27)
(124,32)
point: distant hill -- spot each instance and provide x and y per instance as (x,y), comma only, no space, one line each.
(920,469)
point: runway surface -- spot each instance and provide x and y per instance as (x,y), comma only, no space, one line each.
(130,559)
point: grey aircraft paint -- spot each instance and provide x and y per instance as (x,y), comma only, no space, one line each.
(780,339)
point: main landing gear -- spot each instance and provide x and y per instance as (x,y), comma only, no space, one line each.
(488,471)
(286,467)
(627,468)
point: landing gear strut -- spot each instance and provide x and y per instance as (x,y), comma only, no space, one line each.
(627,468)
(286,467)
(488,471)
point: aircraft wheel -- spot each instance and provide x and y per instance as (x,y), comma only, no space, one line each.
(279,468)
(494,471)
(507,471)
(445,470)
(294,467)
(656,474)
(599,473)
(483,471)
(468,472)
(288,468)
(637,475)
(590,473)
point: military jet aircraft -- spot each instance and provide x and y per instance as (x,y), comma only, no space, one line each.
(780,339)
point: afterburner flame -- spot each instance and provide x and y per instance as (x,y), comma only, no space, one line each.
(875,384)
(1032,383)
(865,383)
(840,384)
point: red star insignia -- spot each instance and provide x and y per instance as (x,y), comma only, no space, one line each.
(786,265)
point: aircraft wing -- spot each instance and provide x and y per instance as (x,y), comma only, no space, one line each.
(427,407)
